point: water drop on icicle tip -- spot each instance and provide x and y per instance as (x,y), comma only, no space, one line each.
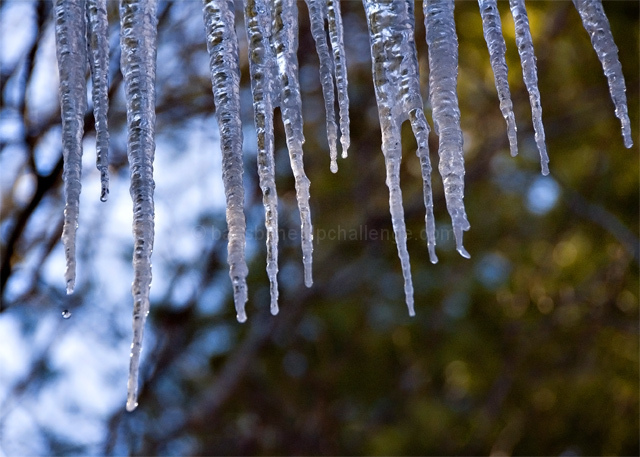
(66,314)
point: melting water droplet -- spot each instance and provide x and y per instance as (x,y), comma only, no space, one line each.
(66,314)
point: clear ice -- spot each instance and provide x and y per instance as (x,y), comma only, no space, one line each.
(222,43)
(492,28)
(71,50)
(138,39)
(257,16)
(98,36)
(285,44)
(395,77)
(443,77)
(81,29)
(530,75)
(597,26)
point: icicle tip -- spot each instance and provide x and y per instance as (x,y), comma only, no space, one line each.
(242,317)
(132,404)
(433,258)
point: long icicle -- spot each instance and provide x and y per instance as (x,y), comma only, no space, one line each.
(336,36)
(71,50)
(443,77)
(98,34)
(257,16)
(386,33)
(597,26)
(530,75)
(285,43)
(492,28)
(413,106)
(317,16)
(138,39)
(222,43)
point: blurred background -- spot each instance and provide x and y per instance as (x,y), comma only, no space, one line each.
(530,347)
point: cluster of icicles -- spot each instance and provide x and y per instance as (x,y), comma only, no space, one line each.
(272,33)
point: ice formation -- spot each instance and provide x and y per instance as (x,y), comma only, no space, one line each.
(524,41)
(222,44)
(81,28)
(492,28)
(396,83)
(319,12)
(257,16)
(98,36)
(71,50)
(138,38)
(443,77)
(597,26)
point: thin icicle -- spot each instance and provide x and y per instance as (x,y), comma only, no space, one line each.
(71,50)
(285,43)
(396,83)
(597,26)
(257,15)
(138,36)
(222,43)
(317,15)
(530,75)
(336,35)
(443,77)
(492,27)
(98,34)
(412,107)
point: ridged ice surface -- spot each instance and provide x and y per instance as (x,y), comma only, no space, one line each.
(222,44)
(443,77)
(396,83)
(332,67)
(317,16)
(492,27)
(285,44)
(98,34)
(257,16)
(138,63)
(71,51)
(530,75)
(597,26)
(336,37)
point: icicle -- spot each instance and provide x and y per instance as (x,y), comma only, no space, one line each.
(597,26)
(71,50)
(257,15)
(443,65)
(336,35)
(98,34)
(222,44)
(317,15)
(397,87)
(285,43)
(530,75)
(138,35)
(497,48)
